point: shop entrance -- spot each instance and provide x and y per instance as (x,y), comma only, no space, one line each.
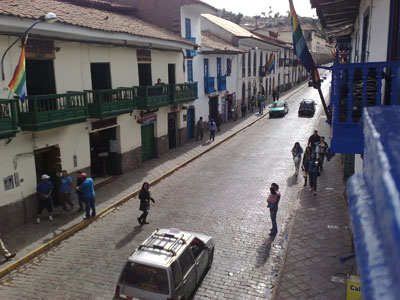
(229,104)
(104,158)
(148,142)
(48,161)
(190,122)
(172,130)
(213,107)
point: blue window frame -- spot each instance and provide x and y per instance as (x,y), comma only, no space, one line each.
(228,67)
(205,67)
(188,28)
(219,67)
(190,71)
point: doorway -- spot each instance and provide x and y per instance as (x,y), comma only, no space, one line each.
(104,158)
(40,77)
(171,74)
(101,76)
(190,122)
(172,130)
(48,161)
(145,74)
(213,108)
(148,143)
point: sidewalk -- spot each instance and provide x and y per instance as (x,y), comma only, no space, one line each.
(319,237)
(31,239)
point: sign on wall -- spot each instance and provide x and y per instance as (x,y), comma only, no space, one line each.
(8,183)
(143,55)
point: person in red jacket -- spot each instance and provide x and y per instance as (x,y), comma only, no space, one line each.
(273,200)
(3,251)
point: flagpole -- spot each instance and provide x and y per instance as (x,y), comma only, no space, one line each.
(327,112)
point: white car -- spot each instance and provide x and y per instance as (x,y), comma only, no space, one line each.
(168,265)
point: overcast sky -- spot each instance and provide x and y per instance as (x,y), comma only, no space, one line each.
(256,7)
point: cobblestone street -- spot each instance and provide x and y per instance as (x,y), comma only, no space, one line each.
(222,194)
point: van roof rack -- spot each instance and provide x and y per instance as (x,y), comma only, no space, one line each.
(163,236)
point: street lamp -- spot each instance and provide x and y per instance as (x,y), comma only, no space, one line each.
(49,18)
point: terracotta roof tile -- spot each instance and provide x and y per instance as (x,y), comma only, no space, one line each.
(209,40)
(92,18)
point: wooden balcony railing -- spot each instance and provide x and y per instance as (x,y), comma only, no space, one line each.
(8,118)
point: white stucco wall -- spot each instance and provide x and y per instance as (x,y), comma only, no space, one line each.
(377,32)
(72,140)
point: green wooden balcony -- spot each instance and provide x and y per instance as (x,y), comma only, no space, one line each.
(50,111)
(152,97)
(8,118)
(183,92)
(108,103)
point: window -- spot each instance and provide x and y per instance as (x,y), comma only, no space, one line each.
(249,64)
(364,56)
(188,28)
(176,273)
(243,65)
(197,247)
(254,63)
(144,277)
(186,261)
(228,67)
(205,67)
(219,67)
(190,71)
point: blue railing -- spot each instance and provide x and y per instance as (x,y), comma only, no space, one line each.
(374,205)
(209,85)
(355,86)
(221,83)
(191,53)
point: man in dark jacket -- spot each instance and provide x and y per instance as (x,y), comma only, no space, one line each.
(199,128)
(313,140)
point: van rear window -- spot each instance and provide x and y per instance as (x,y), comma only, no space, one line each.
(144,277)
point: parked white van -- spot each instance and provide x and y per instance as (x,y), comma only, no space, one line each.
(167,265)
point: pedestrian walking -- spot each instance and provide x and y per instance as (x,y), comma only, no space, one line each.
(306,163)
(313,139)
(218,122)
(4,251)
(145,198)
(44,190)
(274,95)
(66,185)
(252,104)
(243,108)
(273,200)
(199,128)
(78,192)
(277,94)
(313,172)
(297,151)
(321,149)
(87,189)
(260,103)
(212,127)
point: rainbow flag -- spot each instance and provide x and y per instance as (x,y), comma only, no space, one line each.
(301,49)
(271,63)
(229,68)
(18,81)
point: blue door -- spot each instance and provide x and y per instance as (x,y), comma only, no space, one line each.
(190,123)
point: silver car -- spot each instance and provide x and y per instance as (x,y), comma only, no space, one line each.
(168,265)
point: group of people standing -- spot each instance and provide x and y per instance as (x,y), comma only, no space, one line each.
(213,126)
(313,159)
(258,100)
(84,191)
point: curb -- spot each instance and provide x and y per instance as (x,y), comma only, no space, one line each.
(83,224)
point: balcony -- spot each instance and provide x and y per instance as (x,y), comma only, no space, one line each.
(8,118)
(151,97)
(108,103)
(356,86)
(221,83)
(191,53)
(262,71)
(373,198)
(183,92)
(209,85)
(51,111)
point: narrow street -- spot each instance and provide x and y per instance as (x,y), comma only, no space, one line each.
(222,194)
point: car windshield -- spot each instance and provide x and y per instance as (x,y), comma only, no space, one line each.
(144,277)
(277,104)
(307,105)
